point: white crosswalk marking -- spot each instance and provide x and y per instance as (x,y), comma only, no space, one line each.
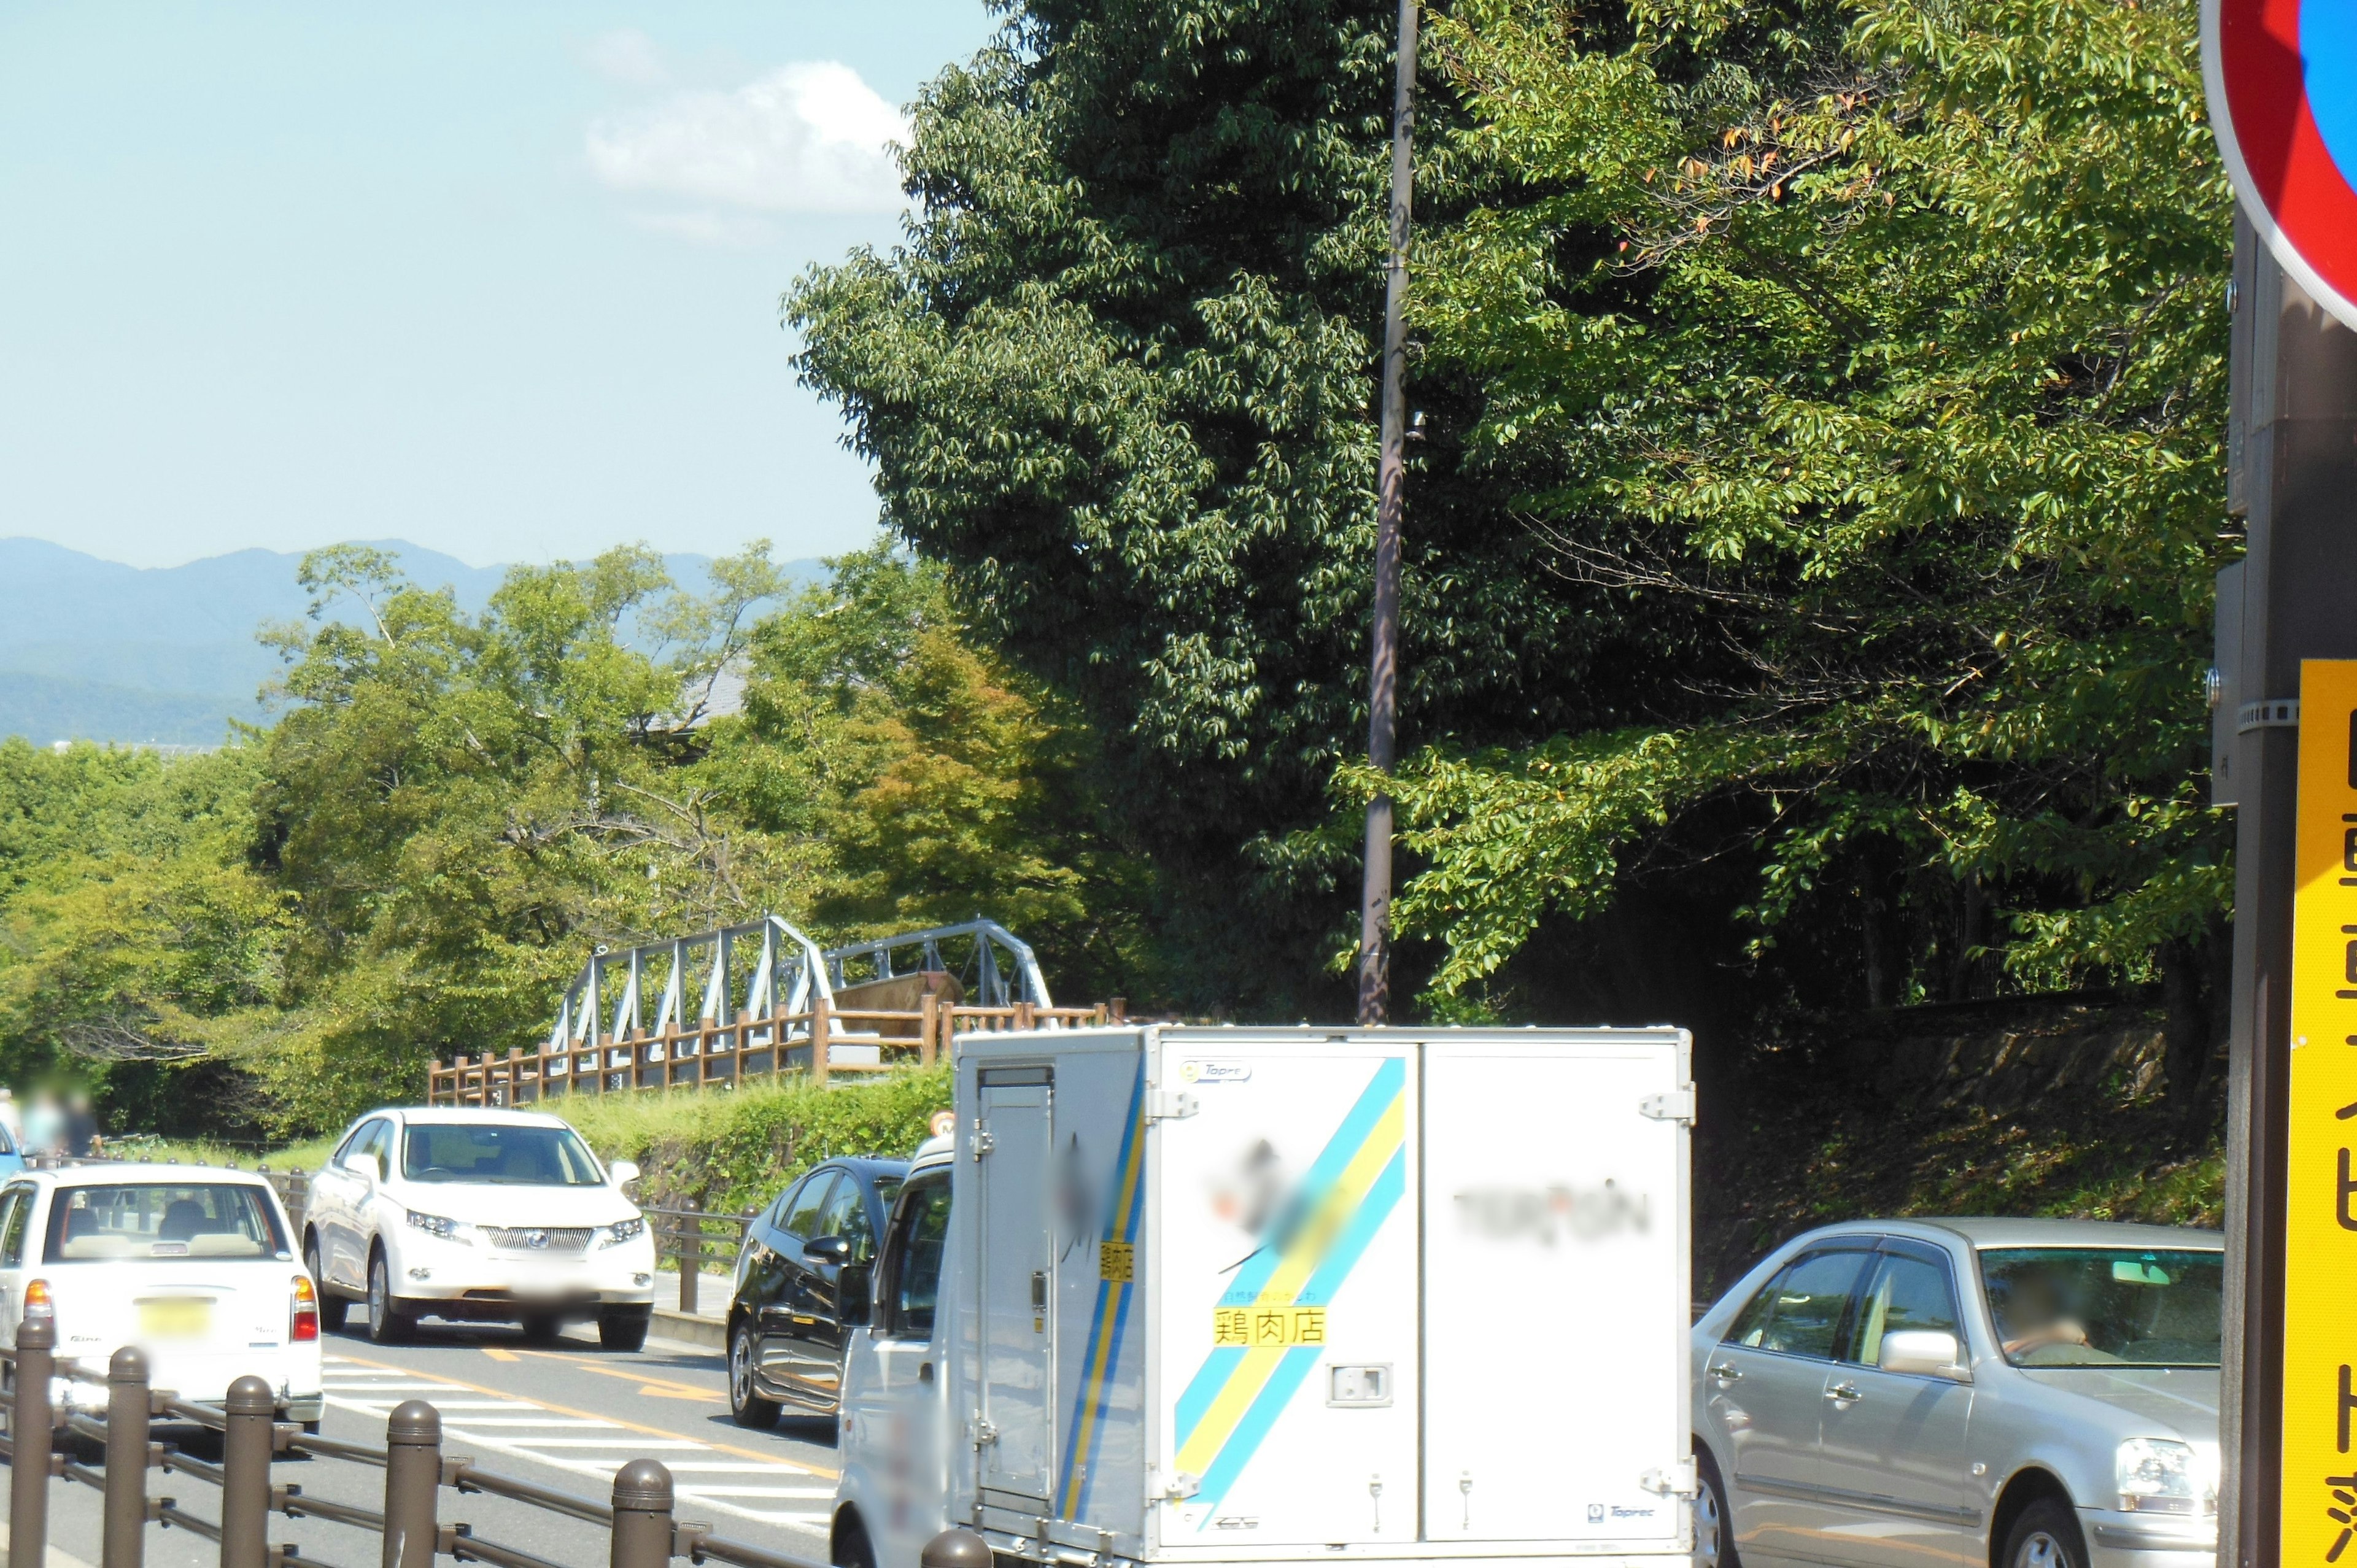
(780,1493)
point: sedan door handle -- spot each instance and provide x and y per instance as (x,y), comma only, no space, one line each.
(1842,1392)
(1727,1373)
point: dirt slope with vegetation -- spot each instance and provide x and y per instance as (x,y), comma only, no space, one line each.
(2033,1107)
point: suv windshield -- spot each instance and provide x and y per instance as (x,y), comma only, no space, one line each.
(159,1221)
(2102,1306)
(502,1155)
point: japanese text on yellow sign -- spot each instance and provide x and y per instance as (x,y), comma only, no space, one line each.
(1117,1262)
(1262,1328)
(2320,1468)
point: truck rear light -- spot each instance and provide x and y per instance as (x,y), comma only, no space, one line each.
(304,1325)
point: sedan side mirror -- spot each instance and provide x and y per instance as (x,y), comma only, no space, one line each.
(851,1288)
(622,1173)
(827,1249)
(1926,1353)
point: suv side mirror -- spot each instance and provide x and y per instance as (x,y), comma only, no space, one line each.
(827,1249)
(1925,1352)
(851,1292)
(621,1172)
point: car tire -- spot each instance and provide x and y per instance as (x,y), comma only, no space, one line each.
(624,1330)
(1714,1523)
(2046,1535)
(852,1549)
(747,1408)
(390,1319)
(332,1307)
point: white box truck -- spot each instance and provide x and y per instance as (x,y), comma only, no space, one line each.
(1248,1296)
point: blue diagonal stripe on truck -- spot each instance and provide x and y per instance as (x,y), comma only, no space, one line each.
(1284,1382)
(1125,1202)
(1390,1078)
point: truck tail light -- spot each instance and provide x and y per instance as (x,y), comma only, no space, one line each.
(37,1300)
(305,1324)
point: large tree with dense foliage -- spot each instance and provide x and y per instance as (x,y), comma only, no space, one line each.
(1120,379)
(1888,337)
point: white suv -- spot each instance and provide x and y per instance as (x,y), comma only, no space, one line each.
(478,1215)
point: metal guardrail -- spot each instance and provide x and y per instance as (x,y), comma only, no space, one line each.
(684,1234)
(643,1531)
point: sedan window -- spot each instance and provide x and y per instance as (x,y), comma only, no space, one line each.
(1903,1295)
(810,1203)
(2102,1306)
(15,1215)
(1800,1311)
(846,1216)
(151,1221)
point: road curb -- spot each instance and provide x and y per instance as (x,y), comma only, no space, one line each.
(692,1328)
(57,1559)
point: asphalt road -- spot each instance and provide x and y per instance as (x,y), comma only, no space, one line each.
(565,1416)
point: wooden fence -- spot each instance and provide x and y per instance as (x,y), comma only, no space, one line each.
(820,1042)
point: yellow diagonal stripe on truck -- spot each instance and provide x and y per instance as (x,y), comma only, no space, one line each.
(1301,1260)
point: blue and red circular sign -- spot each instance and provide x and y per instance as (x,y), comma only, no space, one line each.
(2282,79)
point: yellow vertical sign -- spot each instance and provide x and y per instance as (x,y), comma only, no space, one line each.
(2320,1445)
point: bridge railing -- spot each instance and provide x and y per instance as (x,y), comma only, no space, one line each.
(820,1040)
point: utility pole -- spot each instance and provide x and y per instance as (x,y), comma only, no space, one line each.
(2292,471)
(1382,692)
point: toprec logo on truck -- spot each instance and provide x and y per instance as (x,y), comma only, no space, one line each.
(1546,1215)
(1214,1072)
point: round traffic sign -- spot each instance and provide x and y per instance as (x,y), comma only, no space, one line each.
(2282,80)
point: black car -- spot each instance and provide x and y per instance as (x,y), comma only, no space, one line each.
(785,1332)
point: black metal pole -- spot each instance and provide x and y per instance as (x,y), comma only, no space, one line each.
(245,1474)
(29,1441)
(413,1480)
(1382,692)
(124,1541)
(642,1523)
(2294,469)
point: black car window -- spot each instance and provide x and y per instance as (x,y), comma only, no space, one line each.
(846,1216)
(1798,1312)
(810,1202)
(920,1229)
(1902,1293)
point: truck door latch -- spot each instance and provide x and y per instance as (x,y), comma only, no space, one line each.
(1169,1105)
(1675,1105)
(1178,1487)
(985,1435)
(1677,1481)
(982,1143)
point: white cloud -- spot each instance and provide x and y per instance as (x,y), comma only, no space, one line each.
(807,138)
(731,231)
(627,54)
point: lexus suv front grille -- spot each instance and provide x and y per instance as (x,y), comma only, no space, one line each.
(530,1238)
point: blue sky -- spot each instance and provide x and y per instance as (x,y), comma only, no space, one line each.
(499,279)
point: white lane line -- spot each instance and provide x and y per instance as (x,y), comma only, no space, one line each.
(756,1492)
(464,1404)
(746,1468)
(631,1444)
(566,1421)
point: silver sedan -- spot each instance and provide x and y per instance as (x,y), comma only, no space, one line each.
(1955,1393)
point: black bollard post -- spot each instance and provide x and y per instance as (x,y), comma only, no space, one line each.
(641,1515)
(127,1408)
(413,1479)
(28,1438)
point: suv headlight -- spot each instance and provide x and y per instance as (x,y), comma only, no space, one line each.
(2157,1475)
(621,1231)
(448,1229)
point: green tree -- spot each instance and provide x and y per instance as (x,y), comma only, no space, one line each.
(1121,382)
(1886,338)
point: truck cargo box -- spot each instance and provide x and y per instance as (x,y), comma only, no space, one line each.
(1268,1293)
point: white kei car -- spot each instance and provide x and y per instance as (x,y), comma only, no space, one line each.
(195,1266)
(478,1215)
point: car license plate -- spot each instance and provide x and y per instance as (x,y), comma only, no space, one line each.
(176,1317)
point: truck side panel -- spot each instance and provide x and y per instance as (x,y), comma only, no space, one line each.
(1555,1262)
(1284,1247)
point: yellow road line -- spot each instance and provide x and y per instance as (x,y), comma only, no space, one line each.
(593,1415)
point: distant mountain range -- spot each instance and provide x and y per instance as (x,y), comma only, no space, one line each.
(98,651)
